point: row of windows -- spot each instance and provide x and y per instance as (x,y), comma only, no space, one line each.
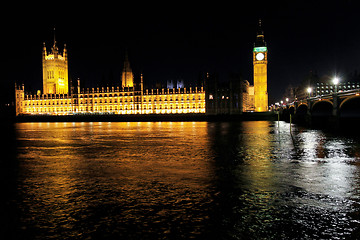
(148,98)
(48,110)
(171,106)
(110,108)
(89,101)
(50,74)
(340,87)
(44,103)
(137,98)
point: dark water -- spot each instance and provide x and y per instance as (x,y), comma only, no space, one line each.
(247,180)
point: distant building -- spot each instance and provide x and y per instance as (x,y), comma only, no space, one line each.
(180,83)
(326,88)
(172,84)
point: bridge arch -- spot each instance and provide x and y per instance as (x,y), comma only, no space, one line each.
(322,108)
(322,101)
(350,107)
(303,103)
(348,99)
(302,109)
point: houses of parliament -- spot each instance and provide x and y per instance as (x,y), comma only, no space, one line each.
(211,97)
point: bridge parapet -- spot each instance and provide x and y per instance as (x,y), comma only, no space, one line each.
(327,109)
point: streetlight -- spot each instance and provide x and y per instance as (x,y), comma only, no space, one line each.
(335,81)
(309,90)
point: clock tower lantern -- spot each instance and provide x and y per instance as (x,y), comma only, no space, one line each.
(260,72)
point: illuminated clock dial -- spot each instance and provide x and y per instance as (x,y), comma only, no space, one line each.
(260,56)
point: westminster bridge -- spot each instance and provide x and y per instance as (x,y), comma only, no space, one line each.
(338,109)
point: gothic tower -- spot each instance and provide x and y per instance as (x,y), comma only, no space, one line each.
(127,77)
(55,70)
(260,72)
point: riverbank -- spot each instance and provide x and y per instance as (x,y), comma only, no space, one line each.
(146,117)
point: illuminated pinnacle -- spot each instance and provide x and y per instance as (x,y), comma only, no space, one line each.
(54,47)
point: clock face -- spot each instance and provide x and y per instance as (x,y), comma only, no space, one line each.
(260,56)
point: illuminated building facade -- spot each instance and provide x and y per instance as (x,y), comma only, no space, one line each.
(211,97)
(130,98)
(55,71)
(113,101)
(260,60)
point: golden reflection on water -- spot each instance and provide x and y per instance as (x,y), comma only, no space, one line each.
(258,177)
(71,170)
(258,154)
(182,179)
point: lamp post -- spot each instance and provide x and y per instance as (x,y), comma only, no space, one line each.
(309,90)
(335,81)
(335,110)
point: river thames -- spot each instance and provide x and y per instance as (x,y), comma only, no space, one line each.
(178,180)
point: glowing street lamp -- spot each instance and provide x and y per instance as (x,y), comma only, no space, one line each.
(335,81)
(309,90)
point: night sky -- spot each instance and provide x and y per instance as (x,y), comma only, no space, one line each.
(181,40)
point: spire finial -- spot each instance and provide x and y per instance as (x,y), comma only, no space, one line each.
(260,42)
(55,48)
(54,39)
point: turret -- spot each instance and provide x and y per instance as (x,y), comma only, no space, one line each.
(78,85)
(127,77)
(65,53)
(44,51)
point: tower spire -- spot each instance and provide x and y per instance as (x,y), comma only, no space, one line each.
(54,46)
(127,75)
(260,41)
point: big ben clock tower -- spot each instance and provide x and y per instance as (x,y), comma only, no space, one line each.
(260,72)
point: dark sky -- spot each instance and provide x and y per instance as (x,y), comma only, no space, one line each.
(181,40)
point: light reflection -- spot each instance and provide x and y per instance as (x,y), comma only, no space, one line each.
(70,174)
(258,155)
(272,172)
(247,179)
